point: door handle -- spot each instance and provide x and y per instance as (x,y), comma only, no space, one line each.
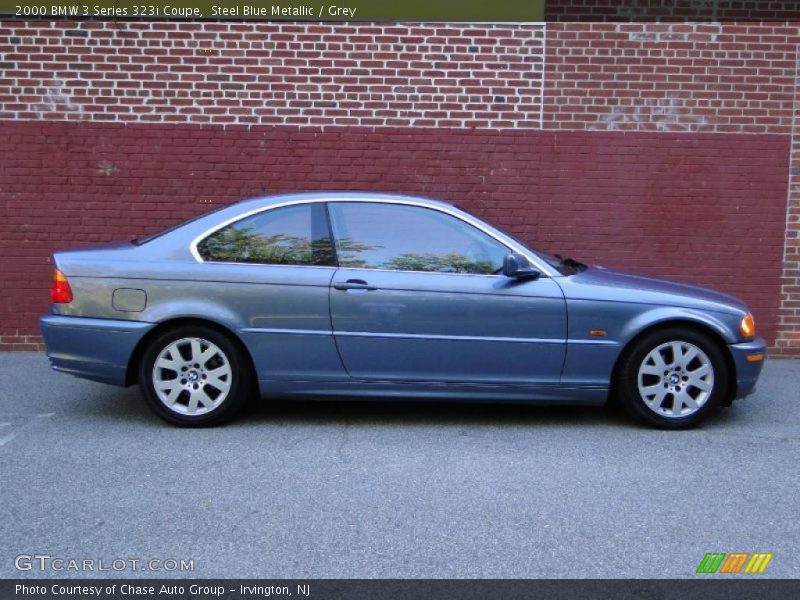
(353,284)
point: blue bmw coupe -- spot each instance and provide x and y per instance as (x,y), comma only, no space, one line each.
(373,295)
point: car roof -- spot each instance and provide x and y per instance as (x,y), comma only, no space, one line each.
(179,234)
(321,196)
(183,239)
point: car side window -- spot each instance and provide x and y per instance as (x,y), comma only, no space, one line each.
(411,238)
(292,235)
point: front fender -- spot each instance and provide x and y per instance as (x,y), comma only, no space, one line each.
(723,324)
(591,359)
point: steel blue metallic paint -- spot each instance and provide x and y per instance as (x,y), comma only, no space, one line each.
(445,327)
(746,372)
(442,335)
(97,349)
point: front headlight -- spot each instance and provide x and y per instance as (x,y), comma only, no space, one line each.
(748,326)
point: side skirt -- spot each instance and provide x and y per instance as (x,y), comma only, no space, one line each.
(545,395)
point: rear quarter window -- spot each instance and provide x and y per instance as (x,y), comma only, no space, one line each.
(291,235)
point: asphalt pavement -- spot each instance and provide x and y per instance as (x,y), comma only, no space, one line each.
(411,490)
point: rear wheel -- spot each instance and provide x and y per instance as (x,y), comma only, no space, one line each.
(194,376)
(672,378)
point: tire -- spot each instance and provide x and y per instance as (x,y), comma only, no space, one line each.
(681,389)
(194,376)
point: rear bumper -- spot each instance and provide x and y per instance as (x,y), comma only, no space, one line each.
(748,370)
(96,349)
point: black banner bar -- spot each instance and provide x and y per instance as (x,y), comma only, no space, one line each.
(738,588)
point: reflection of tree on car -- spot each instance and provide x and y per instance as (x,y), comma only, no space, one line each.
(349,254)
(447,263)
(241,245)
(347,251)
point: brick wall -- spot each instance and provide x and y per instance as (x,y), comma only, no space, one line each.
(731,78)
(274,74)
(788,338)
(664,148)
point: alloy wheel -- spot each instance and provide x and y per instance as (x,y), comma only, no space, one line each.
(192,376)
(675,379)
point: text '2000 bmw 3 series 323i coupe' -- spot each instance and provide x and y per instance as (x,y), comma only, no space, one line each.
(372,295)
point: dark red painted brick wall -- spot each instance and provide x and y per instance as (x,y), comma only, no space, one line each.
(704,208)
(670,10)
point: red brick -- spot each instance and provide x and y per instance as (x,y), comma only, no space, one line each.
(654,202)
(582,141)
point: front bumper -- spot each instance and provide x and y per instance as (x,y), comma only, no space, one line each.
(747,371)
(96,349)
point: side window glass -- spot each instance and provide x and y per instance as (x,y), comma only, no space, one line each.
(292,235)
(411,238)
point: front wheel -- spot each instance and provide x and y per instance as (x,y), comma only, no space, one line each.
(194,376)
(672,378)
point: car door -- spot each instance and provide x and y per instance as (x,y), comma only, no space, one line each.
(418,296)
(271,271)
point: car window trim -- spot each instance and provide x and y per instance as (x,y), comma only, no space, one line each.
(325,217)
(535,260)
(426,207)
(331,237)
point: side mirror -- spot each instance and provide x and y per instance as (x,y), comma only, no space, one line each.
(516,266)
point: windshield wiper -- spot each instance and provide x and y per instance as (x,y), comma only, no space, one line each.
(570,263)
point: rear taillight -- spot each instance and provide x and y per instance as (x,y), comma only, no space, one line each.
(60,293)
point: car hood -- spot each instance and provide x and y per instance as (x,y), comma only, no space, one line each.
(599,283)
